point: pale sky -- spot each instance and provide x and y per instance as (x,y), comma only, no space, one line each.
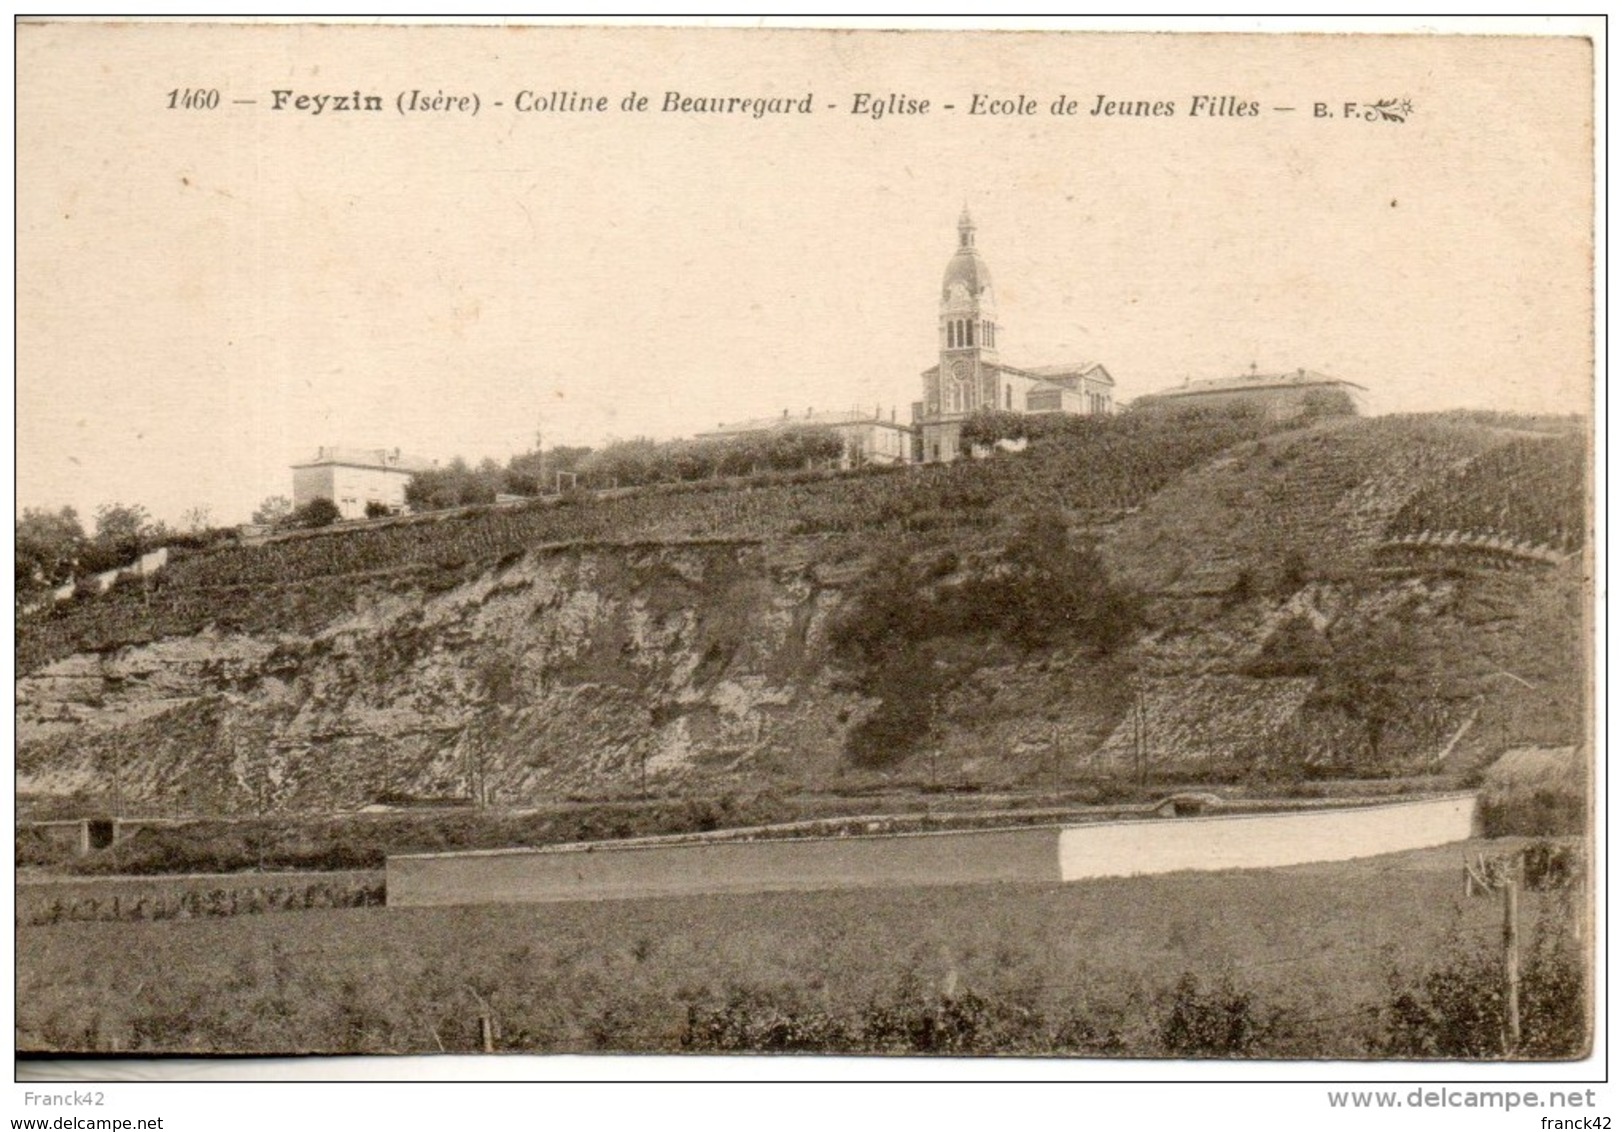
(204,296)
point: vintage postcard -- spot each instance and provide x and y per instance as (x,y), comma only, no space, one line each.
(978,543)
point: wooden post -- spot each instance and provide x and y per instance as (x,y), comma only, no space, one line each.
(487,1033)
(1142,733)
(1512,968)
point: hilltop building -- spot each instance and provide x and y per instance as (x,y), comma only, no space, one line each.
(1283,396)
(870,438)
(971,376)
(354,477)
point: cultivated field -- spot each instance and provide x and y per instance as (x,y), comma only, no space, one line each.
(51,899)
(1380,957)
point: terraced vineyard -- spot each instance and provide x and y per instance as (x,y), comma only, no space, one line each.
(1098,468)
(1531,491)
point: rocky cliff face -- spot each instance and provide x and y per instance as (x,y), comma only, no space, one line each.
(1286,633)
(568,670)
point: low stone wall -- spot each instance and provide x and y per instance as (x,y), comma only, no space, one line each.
(1256,841)
(1051,853)
(605,872)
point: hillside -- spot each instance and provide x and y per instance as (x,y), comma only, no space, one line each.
(1207,597)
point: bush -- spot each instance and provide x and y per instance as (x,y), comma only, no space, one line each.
(1216,1023)
(1542,812)
(1456,1010)
(318,512)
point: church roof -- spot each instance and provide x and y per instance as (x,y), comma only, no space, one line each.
(966,266)
(1066,375)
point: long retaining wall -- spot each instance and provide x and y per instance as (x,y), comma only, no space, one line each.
(1052,853)
(606,872)
(1259,841)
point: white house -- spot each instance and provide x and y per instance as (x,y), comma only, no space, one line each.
(354,477)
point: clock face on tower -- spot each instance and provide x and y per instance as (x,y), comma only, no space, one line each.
(958,398)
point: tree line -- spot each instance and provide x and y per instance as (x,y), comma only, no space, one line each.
(626,463)
(53,548)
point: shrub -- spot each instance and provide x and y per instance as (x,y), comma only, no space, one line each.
(1456,1010)
(1541,812)
(1216,1023)
(318,512)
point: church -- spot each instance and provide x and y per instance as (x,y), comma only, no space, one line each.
(970,377)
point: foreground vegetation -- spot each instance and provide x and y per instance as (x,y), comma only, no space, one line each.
(1375,958)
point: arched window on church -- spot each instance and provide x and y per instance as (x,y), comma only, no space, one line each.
(970,342)
(1008,396)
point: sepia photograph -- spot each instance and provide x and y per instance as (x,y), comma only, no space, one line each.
(1072,550)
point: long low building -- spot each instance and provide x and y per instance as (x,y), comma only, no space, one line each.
(870,438)
(1283,396)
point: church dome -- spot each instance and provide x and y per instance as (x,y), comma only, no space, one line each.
(966,267)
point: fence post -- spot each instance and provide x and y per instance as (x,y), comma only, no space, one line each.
(1512,968)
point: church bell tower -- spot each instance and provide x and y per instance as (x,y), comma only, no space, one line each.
(968,329)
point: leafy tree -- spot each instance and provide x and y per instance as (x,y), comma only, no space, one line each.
(198,518)
(119,523)
(273,510)
(1321,403)
(1039,591)
(455,485)
(535,473)
(377,510)
(1049,590)
(123,533)
(987,426)
(318,512)
(48,545)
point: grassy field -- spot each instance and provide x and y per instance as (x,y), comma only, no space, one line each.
(1305,962)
